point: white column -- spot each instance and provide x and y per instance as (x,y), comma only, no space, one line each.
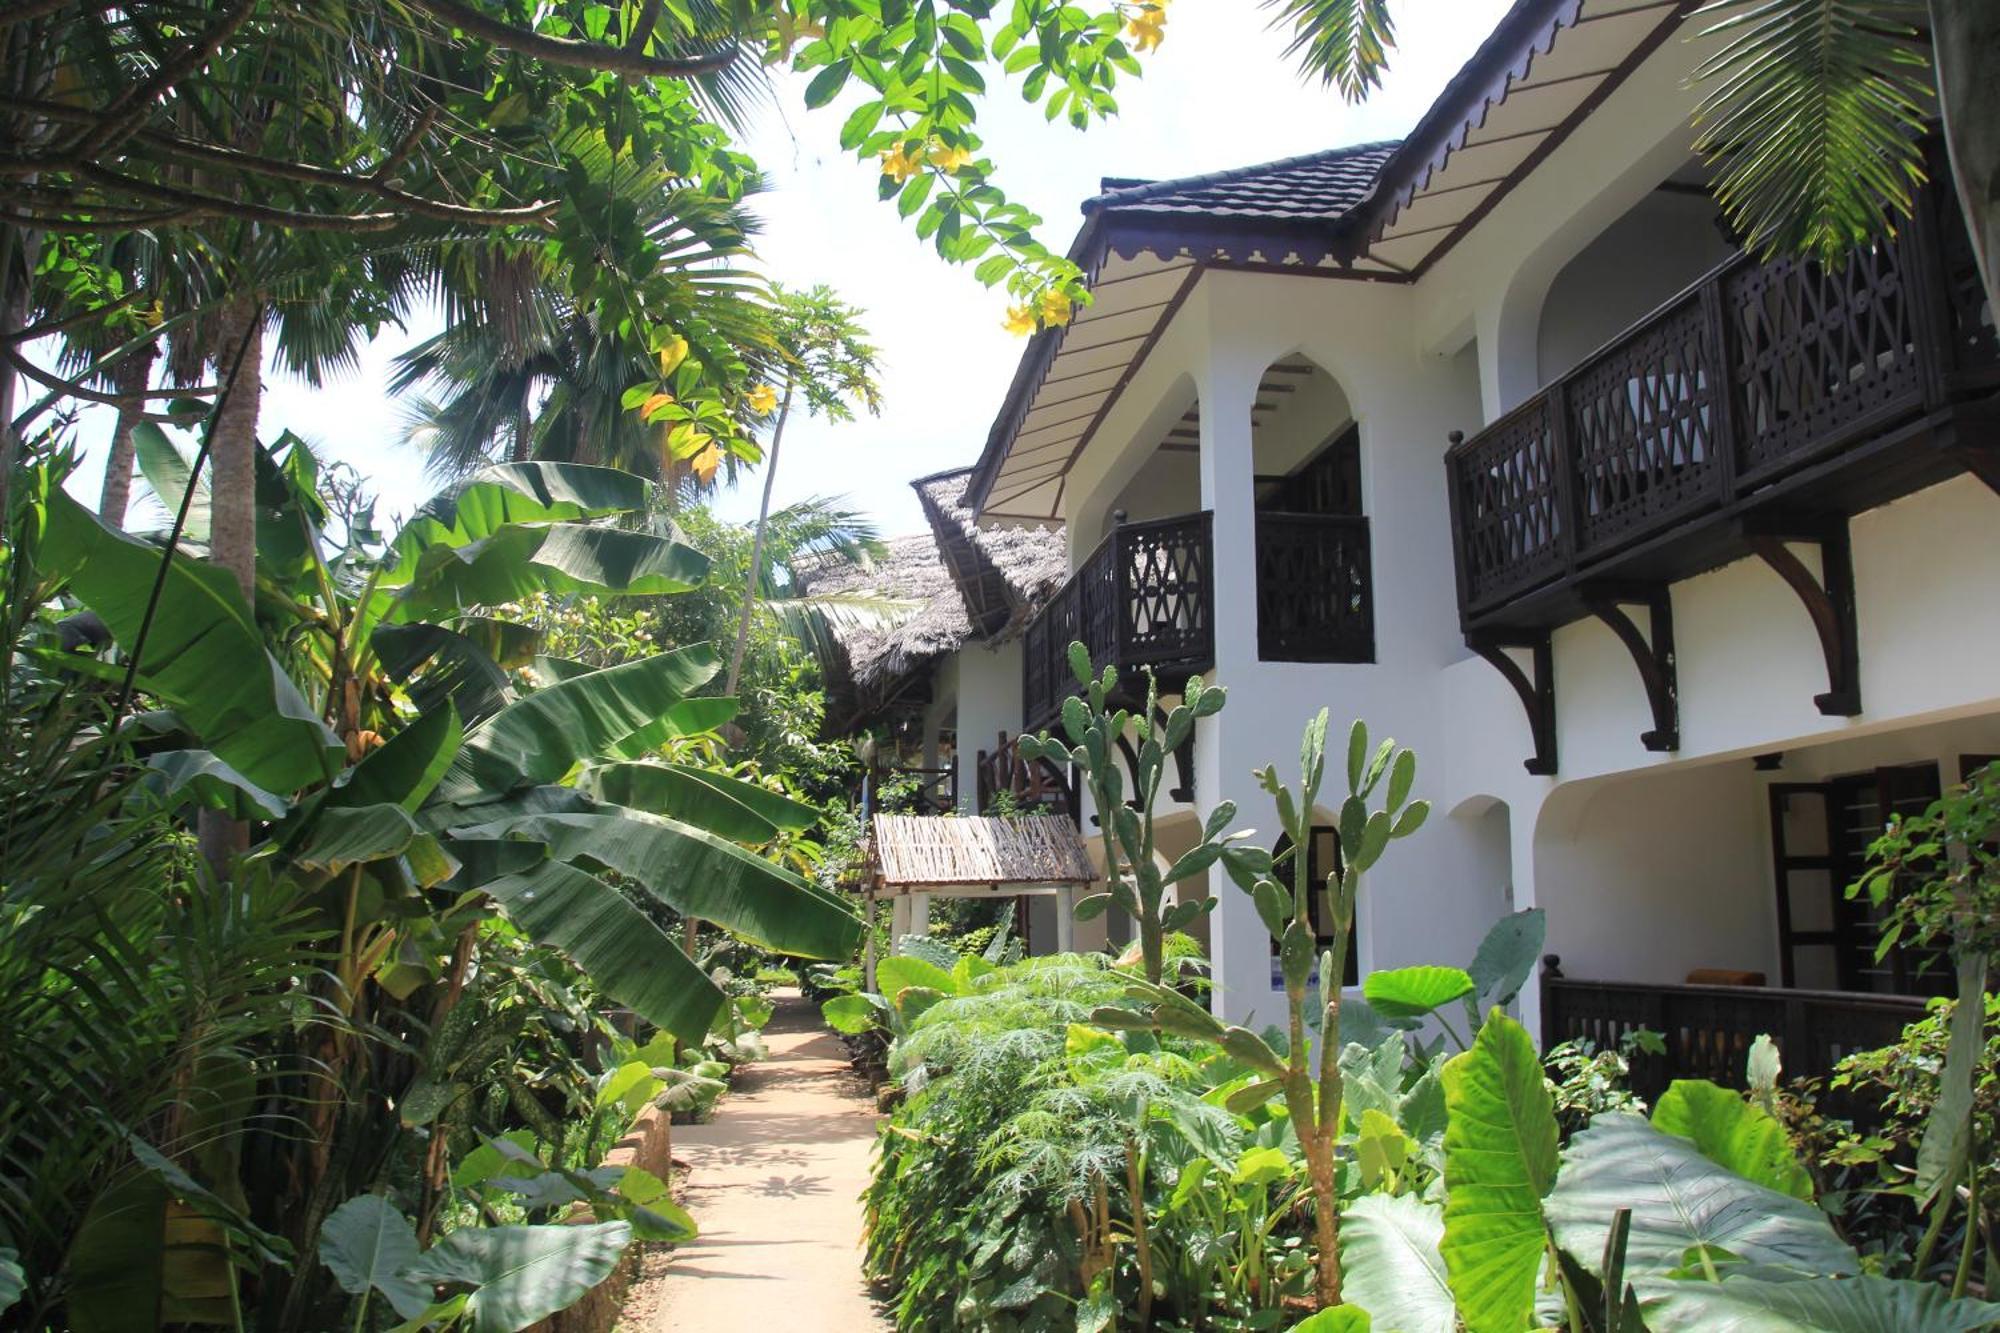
(868,944)
(1065,919)
(899,920)
(920,914)
(1226,750)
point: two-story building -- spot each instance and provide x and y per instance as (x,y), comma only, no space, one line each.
(1678,569)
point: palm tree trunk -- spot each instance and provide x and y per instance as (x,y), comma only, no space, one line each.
(523,447)
(134,377)
(232,463)
(754,578)
(1965,35)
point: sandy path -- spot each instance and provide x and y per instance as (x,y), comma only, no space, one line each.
(774,1182)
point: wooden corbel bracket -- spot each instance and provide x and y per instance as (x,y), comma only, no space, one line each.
(1652,649)
(1828,597)
(1537,692)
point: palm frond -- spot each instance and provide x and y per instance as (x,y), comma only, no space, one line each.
(1811,113)
(1346,43)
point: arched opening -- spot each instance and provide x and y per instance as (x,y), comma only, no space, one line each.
(1314,601)
(1322,860)
(1167,484)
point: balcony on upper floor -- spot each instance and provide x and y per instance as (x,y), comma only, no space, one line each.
(1766,401)
(1145,599)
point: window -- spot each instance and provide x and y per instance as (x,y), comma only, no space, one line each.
(1323,852)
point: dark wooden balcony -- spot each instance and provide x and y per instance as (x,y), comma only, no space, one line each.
(1144,598)
(1708,1029)
(1763,392)
(1314,582)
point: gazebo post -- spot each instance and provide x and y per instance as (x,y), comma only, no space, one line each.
(899,919)
(1066,918)
(920,913)
(868,942)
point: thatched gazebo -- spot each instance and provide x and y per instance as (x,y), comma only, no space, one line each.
(911,857)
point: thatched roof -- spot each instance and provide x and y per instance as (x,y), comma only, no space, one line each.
(1002,573)
(926,851)
(965,583)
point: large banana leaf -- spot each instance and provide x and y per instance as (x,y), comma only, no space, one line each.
(725,806)
(632,959)
(1391,1266)
(203,654)
(542,737)
(697,874)
(366,1244)
(456,669)
(1808,1305)
(690,717)
(408,768)
(521,559)
(179,775)
(167,472)
(1680,1200)
(1733,1133)
(1499,1163)
(512,493)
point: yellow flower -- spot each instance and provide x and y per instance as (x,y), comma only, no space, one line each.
(1055,308)
(948,159)
(763,400)
(899,165)
(1020,320)
(1148,27)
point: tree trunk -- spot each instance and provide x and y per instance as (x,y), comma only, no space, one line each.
(232,480)
(18,249)
(524,447)
(134,376)
(757,547)
(1966,38)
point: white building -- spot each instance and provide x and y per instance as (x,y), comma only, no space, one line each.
(1675,569)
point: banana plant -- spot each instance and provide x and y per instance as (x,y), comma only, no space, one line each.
(1097,733)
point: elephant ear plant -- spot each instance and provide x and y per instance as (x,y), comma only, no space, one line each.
(1097,732)
(1365,834)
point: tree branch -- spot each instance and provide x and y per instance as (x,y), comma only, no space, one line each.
(124,114)
(53,326)
(214,205)
(20,11)
(649,18)
(567,50)
(75,389)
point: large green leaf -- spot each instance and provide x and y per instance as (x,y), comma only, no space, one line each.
(1340,1319)
(203,654)
(406,769)
(697,874)
(13,1278)
(560,557)
(168,473)
(726,806)
(1680,1200)
(1499,1164)
(1501,965)
(1391,1266)
(343,836)
(178,775)
(1733,1133)
(512,493)
(117,1261)
(542,737)
(521,1274)
(1815,1305)
(442,667)
(1947,1143)
(1413,992)
(629,957)
(895,975)
(689,717)
(367,1245)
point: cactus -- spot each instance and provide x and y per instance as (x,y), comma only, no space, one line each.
(1133,881)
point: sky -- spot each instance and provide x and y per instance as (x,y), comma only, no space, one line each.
(1217,94)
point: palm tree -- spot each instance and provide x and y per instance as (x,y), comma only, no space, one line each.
(827,363)
(1810,112)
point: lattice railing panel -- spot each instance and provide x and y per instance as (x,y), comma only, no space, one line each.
(1643,427)
(1818,351)
(1314,589)
(1509,504)
(1166,573)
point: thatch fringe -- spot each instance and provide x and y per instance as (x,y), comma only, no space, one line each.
(930,851)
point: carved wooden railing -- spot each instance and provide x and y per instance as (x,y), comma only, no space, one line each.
(1041,784)
(1314,589)
(1755,372)
(1708,1029)
(936,788)
(1145,597)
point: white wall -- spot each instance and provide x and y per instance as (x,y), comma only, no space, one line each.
(988,683)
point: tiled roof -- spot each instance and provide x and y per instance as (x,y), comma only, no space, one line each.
(1317,186)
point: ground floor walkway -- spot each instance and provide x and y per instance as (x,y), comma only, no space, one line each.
(774,1182)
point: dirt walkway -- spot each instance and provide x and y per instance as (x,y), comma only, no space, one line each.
(774,1182)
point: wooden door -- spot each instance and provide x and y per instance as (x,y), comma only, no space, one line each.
(1806,875)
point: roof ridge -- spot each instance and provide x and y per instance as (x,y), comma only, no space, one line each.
(1135,193)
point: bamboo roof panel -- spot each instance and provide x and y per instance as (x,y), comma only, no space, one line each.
(926,851)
